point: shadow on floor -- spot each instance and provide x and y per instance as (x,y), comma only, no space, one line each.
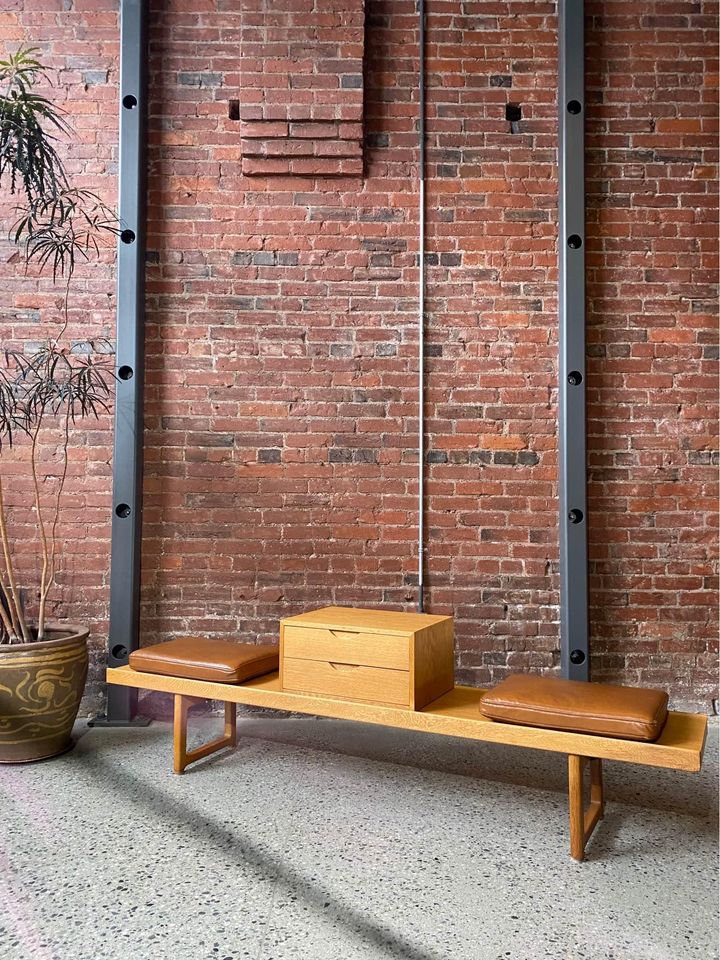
(641,786)
(687,793)
(259,860)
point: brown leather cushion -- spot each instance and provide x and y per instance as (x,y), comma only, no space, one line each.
(628,713)
(202,659)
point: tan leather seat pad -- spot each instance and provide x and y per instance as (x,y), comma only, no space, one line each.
(628,713)
(198,658)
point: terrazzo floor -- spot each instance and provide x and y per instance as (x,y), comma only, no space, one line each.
(328,840)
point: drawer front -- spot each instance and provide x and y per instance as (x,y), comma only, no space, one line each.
(347,646)
(349,681)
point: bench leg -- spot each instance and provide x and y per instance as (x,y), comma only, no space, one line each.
(182,757)
(583,821)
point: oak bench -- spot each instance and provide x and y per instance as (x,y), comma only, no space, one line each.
(455,714)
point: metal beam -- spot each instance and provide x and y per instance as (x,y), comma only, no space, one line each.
(574,632)
(128,446)
(421,310)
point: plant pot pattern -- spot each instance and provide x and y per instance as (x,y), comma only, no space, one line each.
(41,685)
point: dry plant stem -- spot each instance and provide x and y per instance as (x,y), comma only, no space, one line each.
(50,580)
(43,534)
(48,571)
(66,312)
(13,597)
(8,625)
(8,616)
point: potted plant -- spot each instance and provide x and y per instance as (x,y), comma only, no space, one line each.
(45,393)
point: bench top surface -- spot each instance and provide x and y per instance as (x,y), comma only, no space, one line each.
(679,747)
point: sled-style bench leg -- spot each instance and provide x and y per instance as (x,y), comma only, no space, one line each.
(583,820)
(182,757)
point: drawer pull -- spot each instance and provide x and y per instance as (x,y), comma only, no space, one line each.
(344,633)
(344,666)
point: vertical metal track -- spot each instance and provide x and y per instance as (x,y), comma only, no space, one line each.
(574,639)
(421,312)
(128,446)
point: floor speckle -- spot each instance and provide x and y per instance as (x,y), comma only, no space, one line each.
(328,840)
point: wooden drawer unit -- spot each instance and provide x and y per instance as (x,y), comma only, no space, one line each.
(374,656)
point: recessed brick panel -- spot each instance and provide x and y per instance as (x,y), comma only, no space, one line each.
(301,88)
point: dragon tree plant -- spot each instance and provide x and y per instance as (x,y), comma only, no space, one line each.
(55,225)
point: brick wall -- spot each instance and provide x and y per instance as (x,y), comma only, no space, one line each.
(80,48)
(282,334)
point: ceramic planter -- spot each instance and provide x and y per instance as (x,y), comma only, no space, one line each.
(41,685)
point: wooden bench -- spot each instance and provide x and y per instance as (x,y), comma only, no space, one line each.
(455,714)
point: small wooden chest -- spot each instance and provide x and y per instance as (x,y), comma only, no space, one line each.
(375,656)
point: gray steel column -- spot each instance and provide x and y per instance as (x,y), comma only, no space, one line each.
(574,640)
(421,311)
(128,447)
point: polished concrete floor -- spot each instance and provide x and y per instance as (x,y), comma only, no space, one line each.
(326,840)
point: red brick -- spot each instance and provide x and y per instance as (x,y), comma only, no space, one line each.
(262,129)
(282,316)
